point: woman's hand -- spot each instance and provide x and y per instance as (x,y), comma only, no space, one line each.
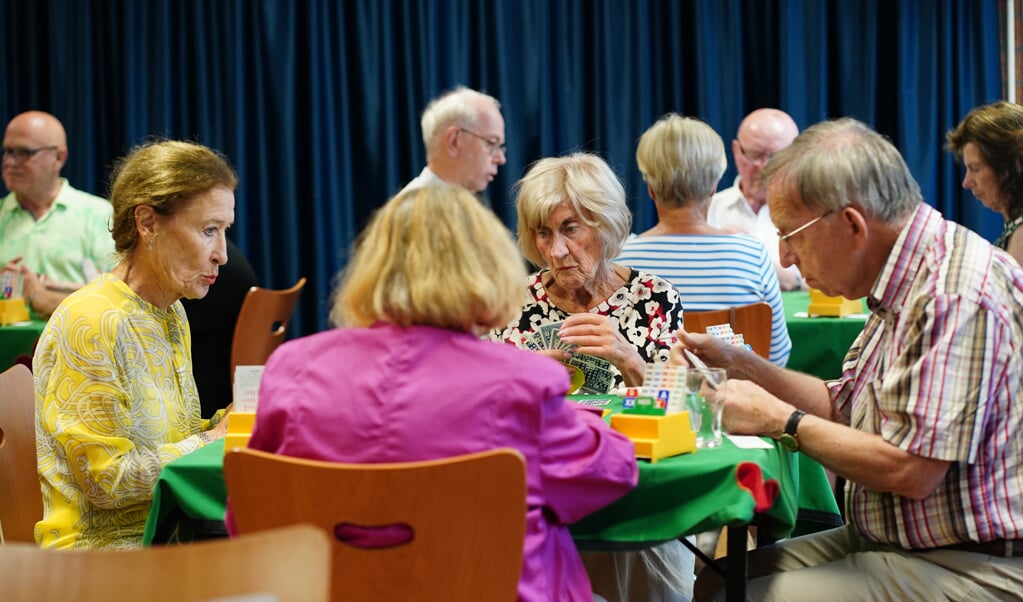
(220,430)
(593,334)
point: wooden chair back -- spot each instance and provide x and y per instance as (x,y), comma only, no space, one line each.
(447,529)
(262,324)
(285,565)
(21,498)
(752,321)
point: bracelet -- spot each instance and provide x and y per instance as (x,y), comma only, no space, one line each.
(205,437)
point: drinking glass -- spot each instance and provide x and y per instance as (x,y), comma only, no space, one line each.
(703,404)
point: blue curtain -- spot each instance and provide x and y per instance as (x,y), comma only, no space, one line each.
(317,102)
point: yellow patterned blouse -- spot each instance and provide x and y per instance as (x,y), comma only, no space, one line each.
(115,401)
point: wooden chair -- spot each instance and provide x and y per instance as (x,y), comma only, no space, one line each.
(262,324)
(752,321)
(21,498)
(447,529)
(284,565)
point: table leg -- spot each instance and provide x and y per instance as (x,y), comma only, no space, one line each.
(735,570)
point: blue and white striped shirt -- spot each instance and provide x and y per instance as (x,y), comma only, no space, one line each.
(712,271)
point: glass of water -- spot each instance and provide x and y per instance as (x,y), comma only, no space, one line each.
(703,405)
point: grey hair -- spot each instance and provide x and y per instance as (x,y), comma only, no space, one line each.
(681,159)
(589,185)
(459,106)
(836,163)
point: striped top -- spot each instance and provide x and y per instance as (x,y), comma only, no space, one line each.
(714,272)
(936,372)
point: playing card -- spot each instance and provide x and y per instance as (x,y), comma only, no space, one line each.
(597,371)
(548,335)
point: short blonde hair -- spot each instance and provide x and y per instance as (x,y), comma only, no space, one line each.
(164,175)
(594,191)
(681,159)
(432,256)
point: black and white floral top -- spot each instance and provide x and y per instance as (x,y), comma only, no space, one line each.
(647,311)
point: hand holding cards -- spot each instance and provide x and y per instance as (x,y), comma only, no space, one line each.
(597,376)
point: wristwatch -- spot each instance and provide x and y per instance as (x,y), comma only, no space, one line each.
(788,439)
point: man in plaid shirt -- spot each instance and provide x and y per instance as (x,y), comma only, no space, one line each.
(922,422)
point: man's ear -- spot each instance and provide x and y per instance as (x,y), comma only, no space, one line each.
(857,224)
(451,141)
(61,158)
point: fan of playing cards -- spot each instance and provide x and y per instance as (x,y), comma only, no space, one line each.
(596,371)
(724,332)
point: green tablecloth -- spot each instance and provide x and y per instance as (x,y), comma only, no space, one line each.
(676,496)
(818,344)
(18,339)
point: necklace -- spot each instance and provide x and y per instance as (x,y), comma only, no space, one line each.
(1002,242)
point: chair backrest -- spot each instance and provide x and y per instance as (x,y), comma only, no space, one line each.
(262,324)
(21,498)
(447,529)
(285,565)
(752,321)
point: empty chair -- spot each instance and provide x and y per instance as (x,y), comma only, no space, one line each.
(21,498)
(262,324)
(446,529)
(752,321)
(284,565)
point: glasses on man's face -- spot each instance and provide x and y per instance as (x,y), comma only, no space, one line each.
(493,145)
(755,156)
(784,237)
(20,155)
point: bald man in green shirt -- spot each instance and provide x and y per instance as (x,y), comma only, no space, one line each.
(57,237)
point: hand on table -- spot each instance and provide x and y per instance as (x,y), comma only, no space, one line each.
(750,410)
(220,429)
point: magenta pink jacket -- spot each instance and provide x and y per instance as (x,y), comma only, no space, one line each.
(390,394)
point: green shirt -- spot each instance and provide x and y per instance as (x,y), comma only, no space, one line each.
(75,229)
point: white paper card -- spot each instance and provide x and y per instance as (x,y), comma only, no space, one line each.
(246,387)
(749,442)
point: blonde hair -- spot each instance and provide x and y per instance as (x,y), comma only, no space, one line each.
(432,256)
(592,189)
(164,175)
(681,159)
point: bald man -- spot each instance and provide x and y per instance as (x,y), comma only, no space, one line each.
(57,237)
(463,131)
(743,207)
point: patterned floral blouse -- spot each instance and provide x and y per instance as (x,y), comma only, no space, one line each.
(115,401)
(647,311)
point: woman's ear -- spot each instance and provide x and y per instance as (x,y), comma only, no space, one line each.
(145,222)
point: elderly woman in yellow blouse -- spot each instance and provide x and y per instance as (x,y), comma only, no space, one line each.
(115,397)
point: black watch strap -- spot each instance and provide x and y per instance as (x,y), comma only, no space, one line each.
(788,438)
(793,423)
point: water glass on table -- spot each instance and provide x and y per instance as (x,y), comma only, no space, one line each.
(703,405)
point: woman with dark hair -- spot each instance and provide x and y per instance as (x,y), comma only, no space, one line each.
(989,141)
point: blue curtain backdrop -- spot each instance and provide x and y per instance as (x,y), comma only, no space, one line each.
(317,102)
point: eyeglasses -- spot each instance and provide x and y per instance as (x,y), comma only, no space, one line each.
(785,237)
(754,156)
(492,144)
(20,155)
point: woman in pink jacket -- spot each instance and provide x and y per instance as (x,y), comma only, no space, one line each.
(407,377)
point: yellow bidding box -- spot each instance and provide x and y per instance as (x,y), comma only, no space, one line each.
(13,310)
(239,430)
(657,437)
(825,305)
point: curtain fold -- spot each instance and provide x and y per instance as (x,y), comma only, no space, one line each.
(317,102)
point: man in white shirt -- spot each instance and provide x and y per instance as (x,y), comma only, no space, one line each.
(463,131)
(743,207)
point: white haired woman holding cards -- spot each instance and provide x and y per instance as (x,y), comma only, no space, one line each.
(407,377)
(606,319)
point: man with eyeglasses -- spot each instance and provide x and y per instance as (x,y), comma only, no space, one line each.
(55,236)
(743,207)
(926,420)
(463,131)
